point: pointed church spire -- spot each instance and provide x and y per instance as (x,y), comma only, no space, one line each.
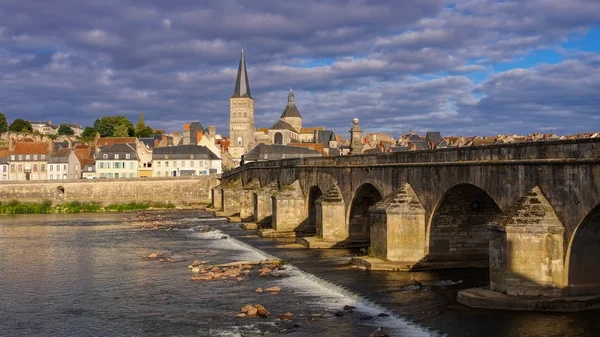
(242,85)
(291,97)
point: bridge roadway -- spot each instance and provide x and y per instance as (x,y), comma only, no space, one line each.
(530,212)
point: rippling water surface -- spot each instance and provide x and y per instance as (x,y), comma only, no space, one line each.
(88,275)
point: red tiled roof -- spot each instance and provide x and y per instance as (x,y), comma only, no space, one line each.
(31,148)
(108,141)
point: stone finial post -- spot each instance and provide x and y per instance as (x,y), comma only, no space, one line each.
(356,144)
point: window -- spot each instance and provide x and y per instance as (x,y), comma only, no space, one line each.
(43,157)
(183,163)
(166,163)
(20,168)
(191,163)
(51,176)
(105,156)
(158,164)
(130,175)
(35,157)
(34,167)
(116,156)
(20,157)
(27,157)
(51,167)
(64,167)
(4,168)
(12,157)
(127,156)
(89,168)
(12,167)
(43,167)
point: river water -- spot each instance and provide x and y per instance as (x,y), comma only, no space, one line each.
(89,275)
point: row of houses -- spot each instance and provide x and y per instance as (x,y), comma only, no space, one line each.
(106,158)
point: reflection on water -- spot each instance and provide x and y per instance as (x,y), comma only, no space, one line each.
(87,275)
(74,275)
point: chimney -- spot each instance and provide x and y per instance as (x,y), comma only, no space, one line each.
(212,131)
(11,144)
(50,145)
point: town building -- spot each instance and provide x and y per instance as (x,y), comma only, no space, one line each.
(63,164)
(28,160)
(3,165)
(243,135)
(184,160)
(143,152)
(44,127)
(265,152)
(117,161)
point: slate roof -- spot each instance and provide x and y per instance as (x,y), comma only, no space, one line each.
(281,125)
(242,85)
(275,152)
(323,137)
(59,156)
(183,152)
(399,148)
(290,109)
(118,149)
(148,141)
(434,138)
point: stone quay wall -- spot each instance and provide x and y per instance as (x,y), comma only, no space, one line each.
(179,191)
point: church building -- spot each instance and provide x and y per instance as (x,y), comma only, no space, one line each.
(287,131)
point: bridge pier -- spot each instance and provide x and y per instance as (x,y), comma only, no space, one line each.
(247,201)
(263,205)
(217,197)
(330,218)
(289,212)
(527,262)
(231,197)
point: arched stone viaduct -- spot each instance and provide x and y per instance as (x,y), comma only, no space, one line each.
(529,211)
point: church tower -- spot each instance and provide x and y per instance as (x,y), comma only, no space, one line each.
(241,114)
(290,114)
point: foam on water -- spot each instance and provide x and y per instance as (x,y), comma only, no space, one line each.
(332,296)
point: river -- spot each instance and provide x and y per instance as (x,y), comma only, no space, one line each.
(90,275)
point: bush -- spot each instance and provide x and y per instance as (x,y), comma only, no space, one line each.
(80,207)
(16,207)
(131,206)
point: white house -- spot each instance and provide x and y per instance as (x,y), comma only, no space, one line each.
(63,164)
(184,160)
(117,161)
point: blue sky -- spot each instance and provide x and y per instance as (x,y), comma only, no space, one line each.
(460,67)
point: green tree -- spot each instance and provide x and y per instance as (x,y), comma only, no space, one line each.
(3,123)
(88,133)
(121,130)
(20,125)
(65,129)
(107,126)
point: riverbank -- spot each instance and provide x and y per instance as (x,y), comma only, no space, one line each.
(46,207)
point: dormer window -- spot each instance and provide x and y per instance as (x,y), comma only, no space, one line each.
(116,156)
(35,157)
(127,156)
(105,156)
(43,157)
(12,157)
(20,157)
(27,157)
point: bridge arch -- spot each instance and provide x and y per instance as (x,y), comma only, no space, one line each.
(313,194)
(365,196)
(457,229)
(582,264)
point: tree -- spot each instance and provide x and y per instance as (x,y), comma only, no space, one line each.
(19,125)
(3,124)
(121,130)
(89,133)
(65,129)
(107,126)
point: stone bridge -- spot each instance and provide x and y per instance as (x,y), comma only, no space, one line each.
(528,211)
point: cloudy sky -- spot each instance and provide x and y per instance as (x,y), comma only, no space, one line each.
(460,67)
